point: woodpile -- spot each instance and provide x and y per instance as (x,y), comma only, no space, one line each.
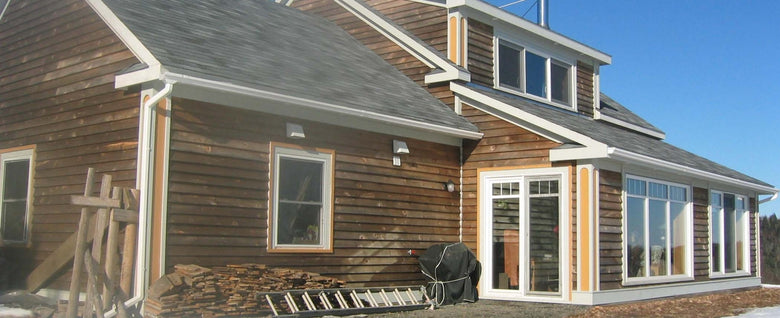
(194,291)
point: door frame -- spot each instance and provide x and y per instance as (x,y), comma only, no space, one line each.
(484,221)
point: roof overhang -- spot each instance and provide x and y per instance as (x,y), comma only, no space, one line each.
(658,164)
(499,14)
(233,95)
(625,124)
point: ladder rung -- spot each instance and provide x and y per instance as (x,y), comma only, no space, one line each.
(398,297)
(271,304)
(356,299)
(371,299)
(325,301)
(341,300)
(386,299)
(411,296)
(307,300)
(291,301)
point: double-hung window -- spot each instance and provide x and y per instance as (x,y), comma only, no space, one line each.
(524,71)
(729,228)
(658,230)
(15,195)
(302,199)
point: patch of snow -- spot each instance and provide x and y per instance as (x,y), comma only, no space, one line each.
(761,312)
(6,312)
(769,286)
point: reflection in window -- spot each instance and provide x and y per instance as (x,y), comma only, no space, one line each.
(729,221)
(527,72)
(15,196)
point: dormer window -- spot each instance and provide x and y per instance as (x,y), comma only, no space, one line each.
(534,74)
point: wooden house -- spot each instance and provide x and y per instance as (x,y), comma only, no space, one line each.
(323,135)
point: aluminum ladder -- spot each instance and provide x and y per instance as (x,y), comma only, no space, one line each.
(344,301)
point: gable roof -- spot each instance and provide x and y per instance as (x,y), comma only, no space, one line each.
(263,46)
(613,136)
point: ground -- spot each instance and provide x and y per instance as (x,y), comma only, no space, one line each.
(710,305)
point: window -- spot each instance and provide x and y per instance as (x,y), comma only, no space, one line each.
(523,71)
(3,6)
(302,207)
(658,230)
(729,220)
(15,191)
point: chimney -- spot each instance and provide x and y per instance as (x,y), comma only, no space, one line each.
(543,13)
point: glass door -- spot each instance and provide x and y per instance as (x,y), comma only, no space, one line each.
(543,236)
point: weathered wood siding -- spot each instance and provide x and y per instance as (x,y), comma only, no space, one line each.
(585,89)
(219,196)
(480,52)
(610,229)
(426,22)
(753,206)
(701,233)
(57,66)
(504,145)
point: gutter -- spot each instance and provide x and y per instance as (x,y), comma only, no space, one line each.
(624,155)
(772,198)
(143,183)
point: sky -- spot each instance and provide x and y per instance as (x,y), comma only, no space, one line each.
(704,72)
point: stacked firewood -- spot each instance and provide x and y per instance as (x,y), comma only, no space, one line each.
(194,291)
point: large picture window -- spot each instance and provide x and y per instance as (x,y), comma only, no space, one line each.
(658,230)
(729,221)
(527,72)
(302,207)
(15,192)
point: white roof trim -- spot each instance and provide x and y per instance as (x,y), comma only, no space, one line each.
(120,29)
(321,106)
(432,60)
(149,73)
(625,124)
(628,156)
(531,27)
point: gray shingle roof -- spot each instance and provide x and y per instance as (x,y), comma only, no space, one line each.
(266,46)
(614,136)
(612,108)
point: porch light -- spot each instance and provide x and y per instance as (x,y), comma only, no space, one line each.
(295,131)
(450,186)
(399,147)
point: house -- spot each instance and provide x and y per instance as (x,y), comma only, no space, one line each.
(324,135)
(569,196)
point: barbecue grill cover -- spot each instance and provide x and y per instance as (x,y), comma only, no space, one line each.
(453,273)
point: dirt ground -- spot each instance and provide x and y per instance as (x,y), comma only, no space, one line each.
(710,305)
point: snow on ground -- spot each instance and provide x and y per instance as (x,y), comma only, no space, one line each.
(763,312)
(6,312)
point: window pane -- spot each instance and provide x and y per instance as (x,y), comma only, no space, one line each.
(717,232)
(559,77)
(678,193)
(14,220)
(300,180)
(742,244)
(543,242)
(535,74)
(677,233)
(509,66)
(729,234)
(16,178)
(658,190)
(636,237)
(636,187)
(299,224)
(715,200)
(506,243)
(657,235)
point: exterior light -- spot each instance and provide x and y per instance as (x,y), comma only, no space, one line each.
(450,186)
(295,131)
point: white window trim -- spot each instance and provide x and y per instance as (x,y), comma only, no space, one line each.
(4,7)
(326,157)
(745,251)
(550,58)
(16,155)
(688,275)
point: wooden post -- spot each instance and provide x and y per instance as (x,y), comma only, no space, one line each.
(112,252)
(97,248)
(130,202)
(78,259)
(93,296)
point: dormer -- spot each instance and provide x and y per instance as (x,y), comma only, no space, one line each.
(514,55)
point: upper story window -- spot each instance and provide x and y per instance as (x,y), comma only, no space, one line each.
(729,229)
(534,74)
(658,231)
(15,195)
(302,204)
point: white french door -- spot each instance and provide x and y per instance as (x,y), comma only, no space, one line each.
(522,233)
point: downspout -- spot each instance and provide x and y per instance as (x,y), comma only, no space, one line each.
(144,213)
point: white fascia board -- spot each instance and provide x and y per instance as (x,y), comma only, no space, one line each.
(631,157)
(148,74)
(625,124)
(419,51)
(120,29)
(406,124)
(593,148)
(531,27)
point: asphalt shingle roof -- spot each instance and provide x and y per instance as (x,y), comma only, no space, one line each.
(267,46)
(612,108)
(618,137)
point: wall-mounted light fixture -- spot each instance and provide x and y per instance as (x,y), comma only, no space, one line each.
(449,185)
(399,147)
(295,131)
